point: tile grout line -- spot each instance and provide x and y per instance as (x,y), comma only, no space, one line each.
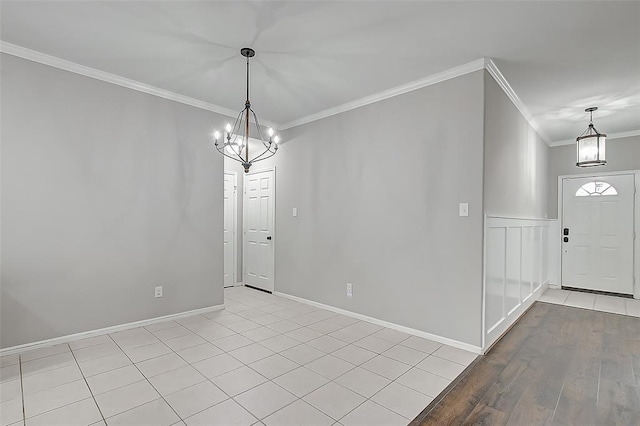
(87,383)
(56,386)
(147,380)
(333,380)
(355,366)
(593,305)
(281,408)
(298,343)
(229,397)
(191,365)
(267,379)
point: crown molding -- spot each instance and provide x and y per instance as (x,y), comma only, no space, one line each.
(610,136)
(389,93)
(484,63)
(42,58)
(497,75)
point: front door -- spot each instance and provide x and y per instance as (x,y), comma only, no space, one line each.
(597,233)
(259,209)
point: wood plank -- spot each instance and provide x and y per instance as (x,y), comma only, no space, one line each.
(558,365)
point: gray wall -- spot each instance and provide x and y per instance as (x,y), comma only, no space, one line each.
(516,160)
(106,193)
(622,154)
(377,191)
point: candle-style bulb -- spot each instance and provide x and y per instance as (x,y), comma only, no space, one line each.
(216,135)
(276,139)
(228,127)
(270,132)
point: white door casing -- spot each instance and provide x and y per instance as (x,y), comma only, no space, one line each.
(598,252)
(259,223)
(229,226)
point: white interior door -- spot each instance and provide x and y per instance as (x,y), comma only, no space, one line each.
(259,209)
(229,228)
(597,232)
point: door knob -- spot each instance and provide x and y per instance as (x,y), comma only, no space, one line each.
(269,238)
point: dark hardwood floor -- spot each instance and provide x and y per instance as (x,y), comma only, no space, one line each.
(557,366)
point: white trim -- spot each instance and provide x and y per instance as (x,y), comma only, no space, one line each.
(491,333)
(511,94)
(636,229)
(610,137)
(43,58)
(389,93)
(552,255)
(273,223)
(102,331)
(504,327)
(234,278)
(393,326)
(484,63)
(484,284)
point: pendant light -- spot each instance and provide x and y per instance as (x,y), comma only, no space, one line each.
(235,143)
(591,145)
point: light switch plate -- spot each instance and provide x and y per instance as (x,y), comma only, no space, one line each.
(295,212)
(158,292)
(464,209)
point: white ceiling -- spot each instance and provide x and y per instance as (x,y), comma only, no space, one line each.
(559,57)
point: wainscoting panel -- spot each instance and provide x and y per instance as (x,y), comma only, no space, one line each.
(516,256)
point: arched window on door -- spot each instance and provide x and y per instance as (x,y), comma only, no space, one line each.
(596,188)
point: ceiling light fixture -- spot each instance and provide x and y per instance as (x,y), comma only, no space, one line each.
(591,145)
(236,146)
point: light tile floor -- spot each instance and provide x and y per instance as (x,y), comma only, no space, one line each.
(595,302)
(264,360)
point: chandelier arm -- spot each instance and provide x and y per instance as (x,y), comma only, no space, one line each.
(596,132)
(259,157)
(221,151)
(584,133)
(236,126)
(255,117)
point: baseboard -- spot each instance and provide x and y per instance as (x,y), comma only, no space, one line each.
(101,331)
(402,328)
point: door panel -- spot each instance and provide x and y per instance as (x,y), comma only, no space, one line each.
(599,213)
(259,210)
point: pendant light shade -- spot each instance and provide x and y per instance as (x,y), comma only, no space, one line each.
(591,145)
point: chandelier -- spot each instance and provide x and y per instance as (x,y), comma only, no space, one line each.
(591,145)
(236,138)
